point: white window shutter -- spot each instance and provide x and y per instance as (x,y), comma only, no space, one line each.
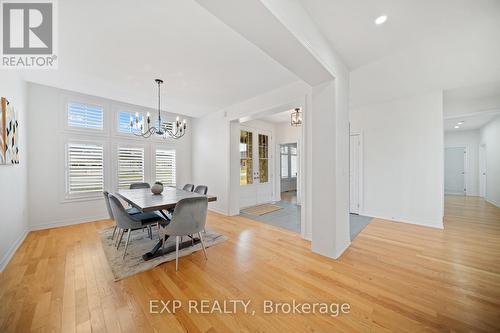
(85,170)
(85,116)
(130,166)
(165,167)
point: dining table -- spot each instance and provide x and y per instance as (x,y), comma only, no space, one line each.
(145,201)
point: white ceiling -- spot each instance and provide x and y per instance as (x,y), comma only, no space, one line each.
(349,24)
(472,99)
(116,48)
(277,118)
(471,122)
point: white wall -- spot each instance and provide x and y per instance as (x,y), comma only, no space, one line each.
(490,135)
(48,136)
(210,157)
(13,178)
(403,159)
(469,140)
(285,133)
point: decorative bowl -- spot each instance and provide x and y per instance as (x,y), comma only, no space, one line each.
(157,188)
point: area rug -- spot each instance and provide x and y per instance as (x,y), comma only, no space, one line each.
(261,209)
(140,244)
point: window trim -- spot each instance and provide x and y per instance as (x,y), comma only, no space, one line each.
(154,148)
(73,197)
(66,99)
(120,107)
(116,154)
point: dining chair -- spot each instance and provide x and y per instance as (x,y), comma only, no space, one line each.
(130,211)
(201,189)
(134,186)
(188,187)
(189,218)
(128,223)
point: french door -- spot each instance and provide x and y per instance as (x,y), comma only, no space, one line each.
(255,167)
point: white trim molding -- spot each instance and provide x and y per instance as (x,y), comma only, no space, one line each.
(12,250)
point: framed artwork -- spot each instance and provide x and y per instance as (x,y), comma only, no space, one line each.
(9,128)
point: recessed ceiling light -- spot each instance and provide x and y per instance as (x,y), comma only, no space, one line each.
(460,122)
(457,126)
(381,19)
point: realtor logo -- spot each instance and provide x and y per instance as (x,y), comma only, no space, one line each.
(28,34)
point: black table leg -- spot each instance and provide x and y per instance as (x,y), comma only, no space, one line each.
(158,250)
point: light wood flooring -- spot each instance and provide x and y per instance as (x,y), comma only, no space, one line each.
(396,277)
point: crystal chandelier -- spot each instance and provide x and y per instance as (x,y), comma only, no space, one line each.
(296,117)
(173,130)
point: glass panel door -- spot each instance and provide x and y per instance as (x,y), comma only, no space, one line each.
(246,153)
(263,158)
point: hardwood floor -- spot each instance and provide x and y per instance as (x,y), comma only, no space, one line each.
(396,277)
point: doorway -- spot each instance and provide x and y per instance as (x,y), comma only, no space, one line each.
(354,177)
(288,172)
(454,170)
(482,170)
(270,184)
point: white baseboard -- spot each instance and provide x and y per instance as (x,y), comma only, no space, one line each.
(342,249)
(12,250)
(66,222)
(218,211)
(493,202)
(409,220)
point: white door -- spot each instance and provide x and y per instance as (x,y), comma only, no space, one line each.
(256,185)
(454,170)
(482,170)
(354,150)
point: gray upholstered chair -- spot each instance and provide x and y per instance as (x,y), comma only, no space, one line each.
(201,189)
(134,186)
(189,218)
(131,211)
(129,223)
(188,187)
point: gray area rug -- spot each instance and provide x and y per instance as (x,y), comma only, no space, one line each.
(140,244)
(287,218)
(358,223)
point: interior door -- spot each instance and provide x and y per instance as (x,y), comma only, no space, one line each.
(255,167)
(454,170)
(354,144)
(482,170)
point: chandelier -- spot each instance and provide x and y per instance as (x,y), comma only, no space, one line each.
(165,129)
(296,117)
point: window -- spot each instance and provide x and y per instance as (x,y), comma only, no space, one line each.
(165,167)
(124,122)
(288,160)
(85,168)
(246,169)
(130,166)
(284,161)
(125,117)
(263,158)
(85,116)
